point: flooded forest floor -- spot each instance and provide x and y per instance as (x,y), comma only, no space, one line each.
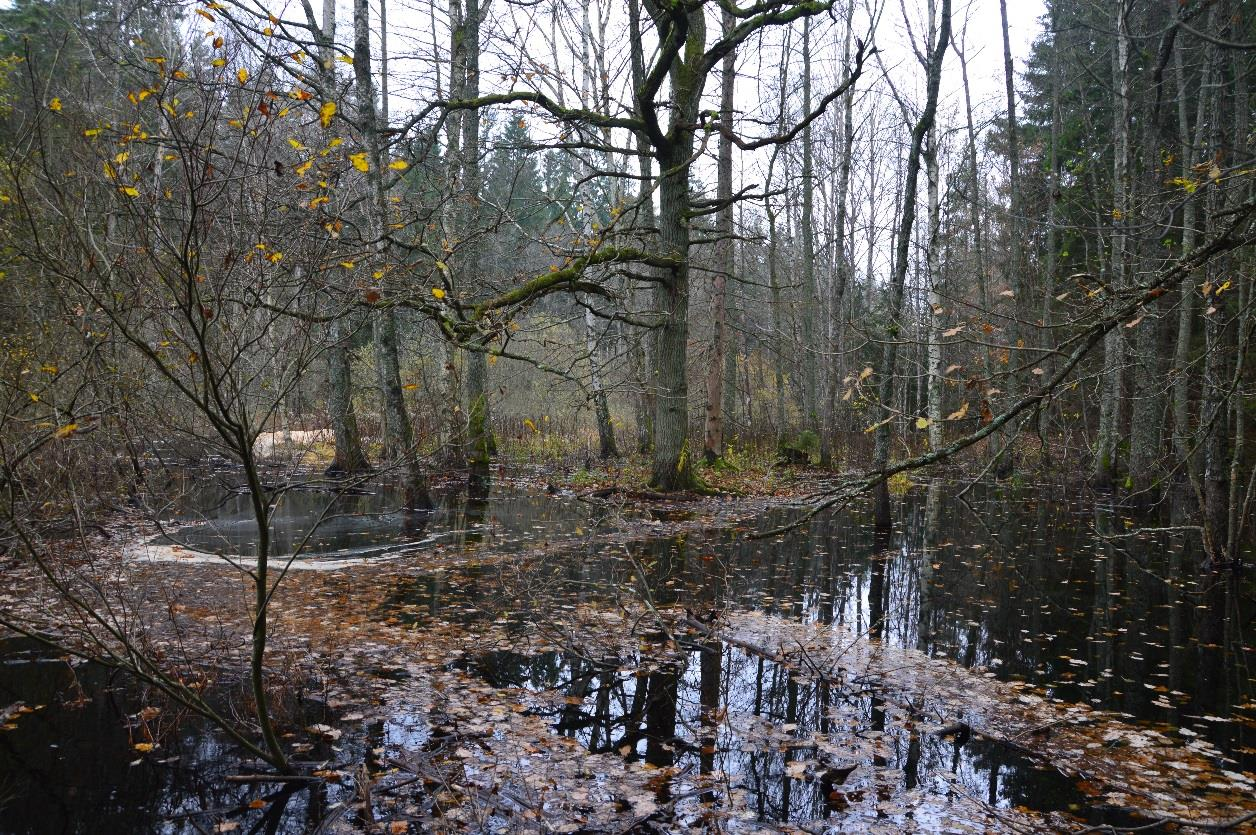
(543,656)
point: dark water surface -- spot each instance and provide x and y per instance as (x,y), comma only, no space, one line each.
(70,765)
(1035,584)
(331,522)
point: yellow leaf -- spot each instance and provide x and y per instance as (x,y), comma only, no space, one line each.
(399,165)
(348,265)
(359,161)
(959,413)
(205,15)
(242,75)
(345,59)
(410,386)
(54,105)
(145,747)
(180,75)
(48,369)
(129,191)
(865,374)
(90,132)
(218,62)
(528,423)
(66,431)
(326,112)
(303,167)
(438,293)
(922,423)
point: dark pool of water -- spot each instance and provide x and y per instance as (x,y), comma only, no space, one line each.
(71,766)
(334,521)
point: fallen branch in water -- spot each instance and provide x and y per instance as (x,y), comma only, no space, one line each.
(272,778)
(1207,826)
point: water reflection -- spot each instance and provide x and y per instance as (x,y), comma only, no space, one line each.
(793,750)
(1056,592)
(70,766)
(371,520)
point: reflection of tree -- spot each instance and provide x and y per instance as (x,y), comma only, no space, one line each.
(925,626)
(709,703)
(1102,625)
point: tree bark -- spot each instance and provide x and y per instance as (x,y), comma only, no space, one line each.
(1017,271)
(349,456)
(713,443)
(933,353)
(401,433)
(841,245)
(480,443)
(889,353)
(643,345)
(1114,342)
(810,353)
(601,407)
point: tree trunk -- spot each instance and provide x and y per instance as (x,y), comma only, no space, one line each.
(401,436)
(713,442)
(841,257)
(889,354)
(1017,272)
(480,443)
(933,360)
(1183,434)
(601,408)
(810,353)
(1148,357)
(1114,341)
(349,457)
(778,326)
(672,464)
(643,347)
